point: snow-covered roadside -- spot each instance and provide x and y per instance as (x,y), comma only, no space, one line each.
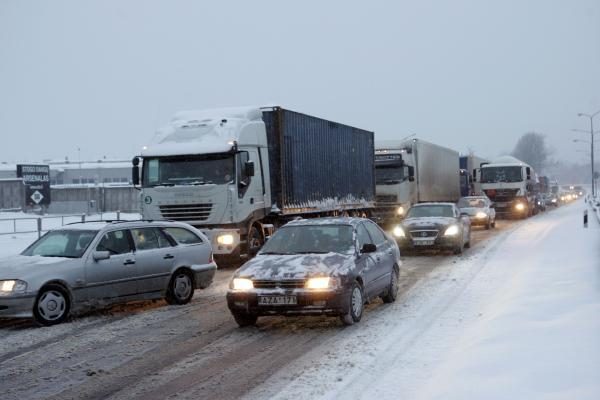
(515,320)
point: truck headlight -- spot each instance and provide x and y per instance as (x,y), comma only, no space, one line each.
(225,239)
(400,211)
(242,284)
(323,282)
(480,215)
(520,207)
(451,231)
(399,232)
(12,286)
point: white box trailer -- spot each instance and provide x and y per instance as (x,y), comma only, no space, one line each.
(413,171)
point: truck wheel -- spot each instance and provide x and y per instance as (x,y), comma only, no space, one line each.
(357,302)
(244,319)
(255,240)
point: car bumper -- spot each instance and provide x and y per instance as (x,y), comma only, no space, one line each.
(480,221)
(444,243)
(204,274)
(17,306)
(308,302)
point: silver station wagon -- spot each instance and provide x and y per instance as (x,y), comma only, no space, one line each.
(90,265)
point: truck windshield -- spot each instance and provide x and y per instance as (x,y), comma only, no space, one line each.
(501,174)
(388,175)
(189,170)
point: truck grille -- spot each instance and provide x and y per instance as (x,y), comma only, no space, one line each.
(186,212)
(285,284)
(386,198)
(501,195)
(423,234)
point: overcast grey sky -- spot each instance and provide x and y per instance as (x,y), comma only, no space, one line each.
(103,75)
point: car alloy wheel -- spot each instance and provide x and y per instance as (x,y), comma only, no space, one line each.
(52,305)
(181,288)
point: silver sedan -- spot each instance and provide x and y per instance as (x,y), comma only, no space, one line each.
(90,265)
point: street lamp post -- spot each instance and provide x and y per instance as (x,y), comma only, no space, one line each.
(592,133)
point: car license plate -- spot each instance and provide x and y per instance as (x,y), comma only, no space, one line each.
(423,242)
(277,300)
(500,204)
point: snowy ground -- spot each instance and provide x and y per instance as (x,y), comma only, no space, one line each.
(519,320)
(514,317)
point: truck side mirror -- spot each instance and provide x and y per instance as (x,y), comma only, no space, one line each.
(528,170)
(249,168)
(411,173)
(474,175)
(135,171)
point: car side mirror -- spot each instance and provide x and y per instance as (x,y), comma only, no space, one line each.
(249,168)
(492,205)
(368,248)
(100,255)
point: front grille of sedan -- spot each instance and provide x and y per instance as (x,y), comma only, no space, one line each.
(283,284)
(186,212)
(424,234)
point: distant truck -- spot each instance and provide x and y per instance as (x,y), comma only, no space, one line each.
(413,171)
(510,184)
(239,173)
(468,170)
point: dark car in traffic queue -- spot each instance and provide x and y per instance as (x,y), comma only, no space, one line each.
(434,226)
(480,210)
(321,266)
(84,266)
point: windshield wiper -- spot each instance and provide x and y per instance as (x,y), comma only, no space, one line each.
(274,253)
(165,184)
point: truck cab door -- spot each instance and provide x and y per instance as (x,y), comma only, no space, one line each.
(250,186)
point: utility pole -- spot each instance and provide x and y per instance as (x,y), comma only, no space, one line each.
(592,134)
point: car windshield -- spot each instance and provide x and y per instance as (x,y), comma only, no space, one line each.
(430,211)
(61,243)
(189,170)
(471,203)
(311,239)
(501,174)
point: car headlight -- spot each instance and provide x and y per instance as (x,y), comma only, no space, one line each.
(554,200)
(399,232)
(226,239)
(481,215)
(323,282)
(400,211)
(242,284)
(451,231)
(520,207)
(12,286)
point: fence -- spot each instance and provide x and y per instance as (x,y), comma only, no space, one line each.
(41,224)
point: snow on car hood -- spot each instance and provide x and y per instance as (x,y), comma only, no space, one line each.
(296,266)
(424,222)
(19,267)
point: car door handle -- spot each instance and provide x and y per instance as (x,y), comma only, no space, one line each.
(168,256)
(129,262)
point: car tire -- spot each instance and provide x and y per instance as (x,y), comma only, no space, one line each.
(356,306)
(459,249)
(52,305)
(181,288)
(245,319)
(255,240)
(488,225)
(493,224)
(392,291)
(468,244)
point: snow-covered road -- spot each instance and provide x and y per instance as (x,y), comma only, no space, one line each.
(516,320)
(514,317)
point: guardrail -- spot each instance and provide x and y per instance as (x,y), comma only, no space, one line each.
(41,224)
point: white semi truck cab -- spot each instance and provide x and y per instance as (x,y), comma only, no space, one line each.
(510,184)
(238,173)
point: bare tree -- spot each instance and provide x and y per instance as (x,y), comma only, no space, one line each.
(532,149)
